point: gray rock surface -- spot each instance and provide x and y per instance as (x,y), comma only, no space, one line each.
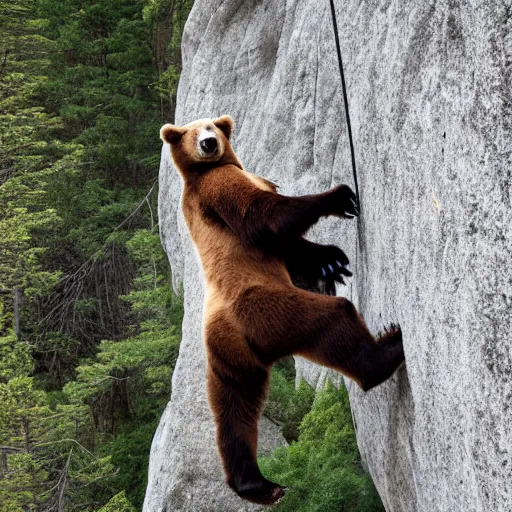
(430,96)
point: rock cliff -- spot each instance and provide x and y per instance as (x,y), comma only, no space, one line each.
(429,87)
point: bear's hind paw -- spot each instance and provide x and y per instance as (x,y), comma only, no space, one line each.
(389,332)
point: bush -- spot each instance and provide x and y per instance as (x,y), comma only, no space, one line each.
(118,503)
(322,469)
(286,405)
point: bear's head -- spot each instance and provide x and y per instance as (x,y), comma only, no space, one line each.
(200,144)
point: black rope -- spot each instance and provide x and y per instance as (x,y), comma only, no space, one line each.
(345,100)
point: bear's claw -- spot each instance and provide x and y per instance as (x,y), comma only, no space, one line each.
(389,332)
(278,494)
(352,208)
(335,271)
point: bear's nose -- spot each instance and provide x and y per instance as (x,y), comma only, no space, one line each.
(209,145)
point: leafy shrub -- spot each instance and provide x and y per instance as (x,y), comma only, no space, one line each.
(285,404)
(322,469)
(119,503)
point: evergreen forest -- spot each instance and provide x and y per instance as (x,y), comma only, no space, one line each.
(89,324)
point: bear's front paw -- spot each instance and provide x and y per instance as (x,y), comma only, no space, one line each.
(334,265)
(345,202)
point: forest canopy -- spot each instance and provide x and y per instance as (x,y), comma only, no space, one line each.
(89,326)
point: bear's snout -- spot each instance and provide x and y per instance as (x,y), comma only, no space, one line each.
(209,145)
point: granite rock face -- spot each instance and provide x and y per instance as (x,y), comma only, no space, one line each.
(429,87)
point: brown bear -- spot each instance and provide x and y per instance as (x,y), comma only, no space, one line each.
(251,245)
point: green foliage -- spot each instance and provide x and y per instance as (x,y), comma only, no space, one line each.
(25,152)
(89,326)
(15,359)
(19,487)
(129,452)
(100,86)
(83,444)
(287,405)
(23,411)
(322,469)
(45,463)
(119,503)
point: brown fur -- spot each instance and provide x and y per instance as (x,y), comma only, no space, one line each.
(249,239)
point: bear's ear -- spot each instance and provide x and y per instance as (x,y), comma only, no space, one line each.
(226,124)
(171,134)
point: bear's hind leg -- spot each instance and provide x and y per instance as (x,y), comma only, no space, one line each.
(347,346)
(327,330)
(383,358)
(236,399)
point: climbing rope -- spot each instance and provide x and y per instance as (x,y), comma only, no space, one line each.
(345,100)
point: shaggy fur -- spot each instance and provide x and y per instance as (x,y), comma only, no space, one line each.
(251,245)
